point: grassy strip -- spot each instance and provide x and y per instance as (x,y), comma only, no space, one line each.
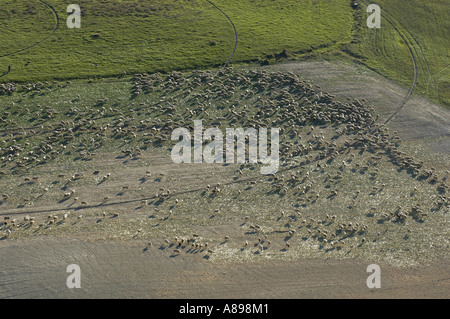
(132,36)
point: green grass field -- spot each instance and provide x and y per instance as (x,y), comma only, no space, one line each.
(133,36)
(429,32)
(118,37)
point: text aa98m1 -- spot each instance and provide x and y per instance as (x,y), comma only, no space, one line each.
(246,308)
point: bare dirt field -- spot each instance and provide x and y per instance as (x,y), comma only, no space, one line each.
(36,268)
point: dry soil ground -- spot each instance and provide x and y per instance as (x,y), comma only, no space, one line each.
(37,269)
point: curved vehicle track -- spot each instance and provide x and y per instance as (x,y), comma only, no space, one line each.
(411,49)
(40,42)
(234,28)
(429,76)
(421,55)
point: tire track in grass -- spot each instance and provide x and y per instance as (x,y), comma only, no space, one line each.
(411,49)
(414,60)
(426,70)
(234,28)
(40,42)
